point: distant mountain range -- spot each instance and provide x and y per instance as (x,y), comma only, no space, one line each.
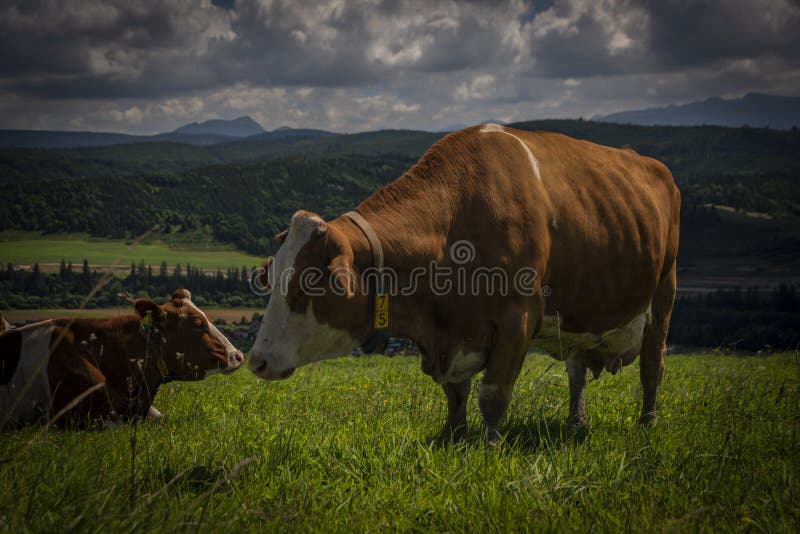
(212,132)
(753,109)
(66,139)
(240,127)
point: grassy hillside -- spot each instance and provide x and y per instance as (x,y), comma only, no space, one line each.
(349,445)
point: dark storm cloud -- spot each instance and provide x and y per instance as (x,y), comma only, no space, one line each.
(88,48)
(288,45)
(357,43)
(347,64)
(224,4)
(584,38)
(685,34)
(167,48)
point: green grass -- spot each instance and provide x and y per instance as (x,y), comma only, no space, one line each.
(28,247)
(348,445)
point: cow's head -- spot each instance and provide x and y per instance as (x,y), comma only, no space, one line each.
(316,310)
(191,345)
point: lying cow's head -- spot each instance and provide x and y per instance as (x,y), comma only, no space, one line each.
(191,345)
(315,310)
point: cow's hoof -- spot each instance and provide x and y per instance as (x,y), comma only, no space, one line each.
(648,419)
(578,431)
(111,424)
(494,439)
(456,435)
(577,423)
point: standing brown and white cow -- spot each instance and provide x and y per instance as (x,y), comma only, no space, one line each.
(82,370)
(597,226)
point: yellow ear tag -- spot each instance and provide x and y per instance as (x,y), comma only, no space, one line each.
(147,320)
(381,311)
(162,368)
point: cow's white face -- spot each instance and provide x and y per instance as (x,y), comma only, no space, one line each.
(291,333)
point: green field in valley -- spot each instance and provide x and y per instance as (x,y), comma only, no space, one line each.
(26,248)
(349,445)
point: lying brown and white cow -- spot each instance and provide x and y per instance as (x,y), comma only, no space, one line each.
(107,369)
(584,236)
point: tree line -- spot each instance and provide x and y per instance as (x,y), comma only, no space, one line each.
(33,289)
(746,319)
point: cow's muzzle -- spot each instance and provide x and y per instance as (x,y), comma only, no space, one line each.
(235,359)
(258,366)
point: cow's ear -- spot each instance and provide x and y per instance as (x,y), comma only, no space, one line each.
(147,308)
(340,263)
(182,294)
(343,276)
(321,227)
(262,277)
(281,237)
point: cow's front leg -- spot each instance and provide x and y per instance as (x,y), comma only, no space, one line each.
(505,362)
(457,394)
(576,372)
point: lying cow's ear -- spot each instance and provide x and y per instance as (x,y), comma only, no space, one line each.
(146,306)
(281,237)
(183,294)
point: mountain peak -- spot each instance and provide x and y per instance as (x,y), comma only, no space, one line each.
(239,127)
(754,109)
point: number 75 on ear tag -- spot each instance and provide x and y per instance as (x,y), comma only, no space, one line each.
(381,310)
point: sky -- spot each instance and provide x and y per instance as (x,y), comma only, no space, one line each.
(151,66)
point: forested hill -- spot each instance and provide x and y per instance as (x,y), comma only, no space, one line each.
(244,203)
(245,191)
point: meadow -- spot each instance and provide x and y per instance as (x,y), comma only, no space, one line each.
(21,248)
(350,445)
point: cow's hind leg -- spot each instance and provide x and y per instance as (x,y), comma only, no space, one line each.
(457,394)
(79,393)
(654,344)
